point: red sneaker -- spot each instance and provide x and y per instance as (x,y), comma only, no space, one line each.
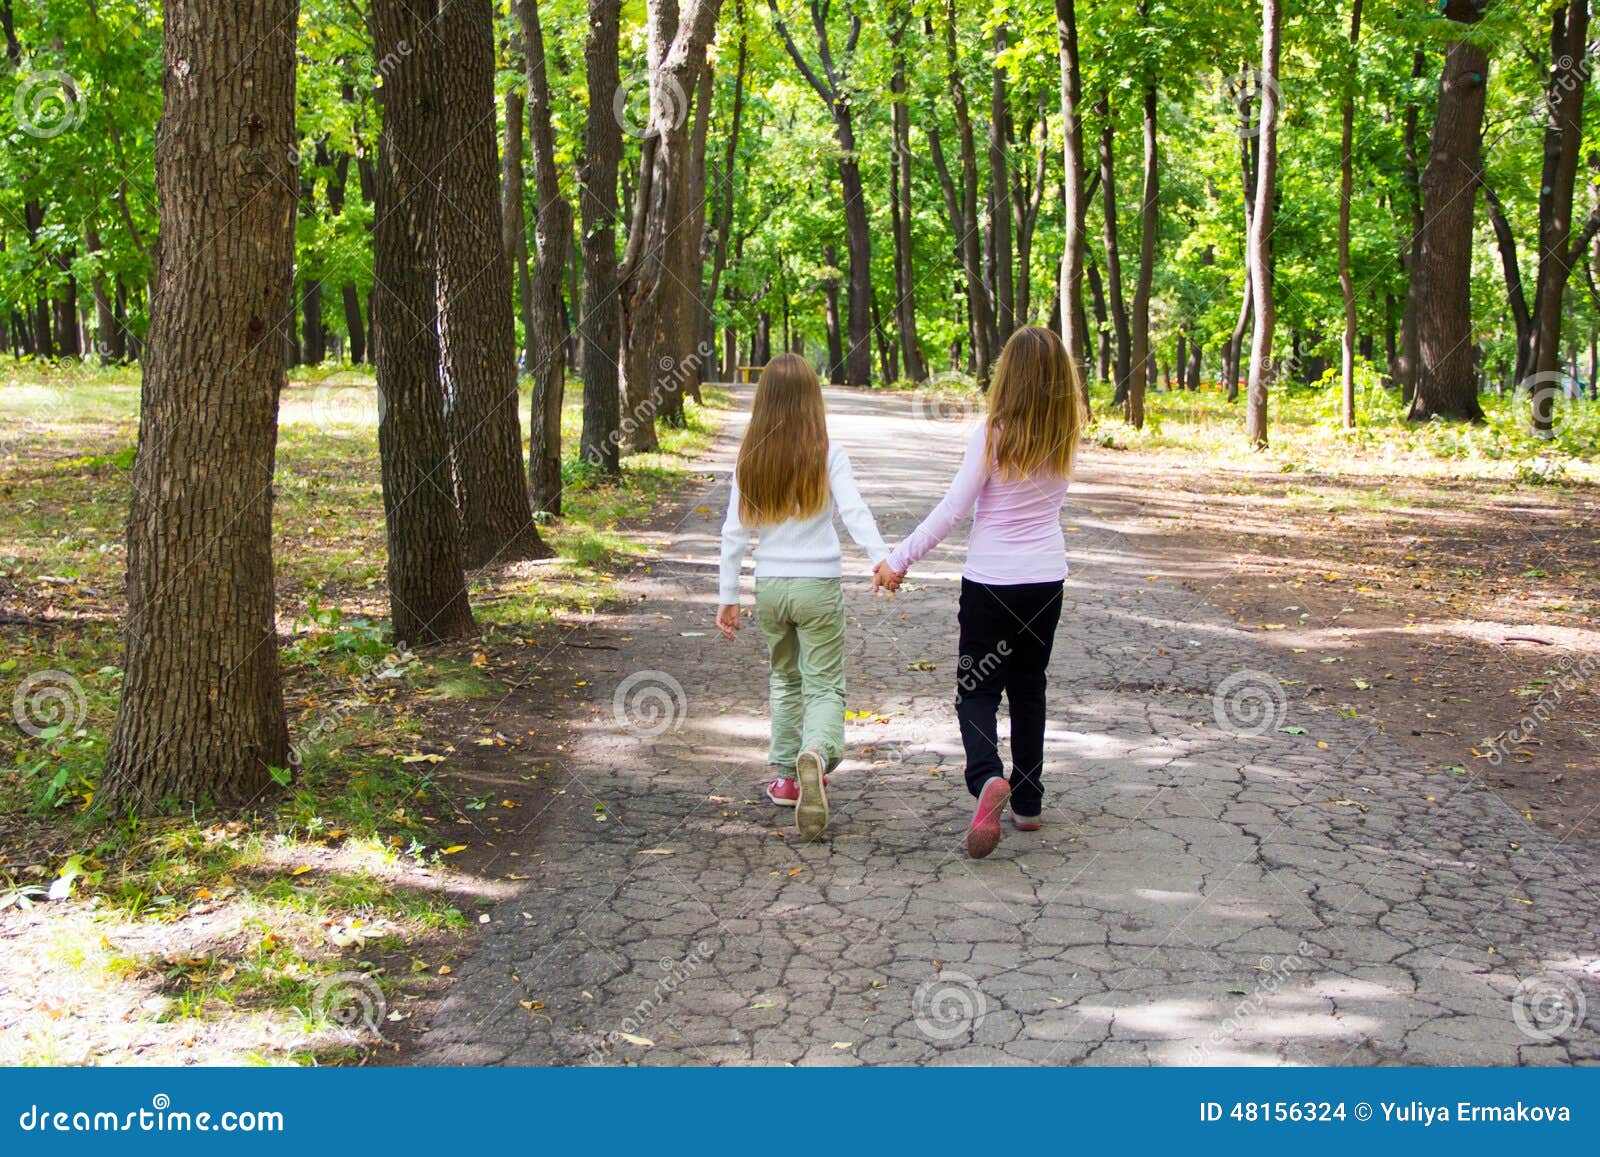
(1026,823)
(984,832)
(785,792)
(811,813)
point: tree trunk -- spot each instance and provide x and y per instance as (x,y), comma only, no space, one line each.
(1102,325)
(659,270)
(1516,296)
(969,241)
(1001,141)
(427,590)
(1447,386)
(1113,276)
(1261,229)
(1563,143)
(514,227)
(105,320)
(1249,154)
(1072,256)
(900,203)
(1193,381)
(725,201)
(600,319)
(202,717)
(552,233)
(1409,353)
(476,331)
(830,315)
(1150,223)
(1347,347)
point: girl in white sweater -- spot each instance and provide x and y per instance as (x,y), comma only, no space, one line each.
(788,484)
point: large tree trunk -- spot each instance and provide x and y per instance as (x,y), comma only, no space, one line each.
(1447,386)
(1405,373)
(1001,141)
(1150,223)
(830,317)
(905,307)
(1113,274)
(552,232)
(1261,229)
(476,331)
(1347,366)
(1249,154)
(202,718)
(514,224)
(660,270)
(1072,256)
(1563,142)
(600,319)
(427,590)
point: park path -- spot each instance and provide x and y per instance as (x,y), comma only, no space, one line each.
(1200,894)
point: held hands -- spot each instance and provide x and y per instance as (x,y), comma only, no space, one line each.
(886,578)
(728,619)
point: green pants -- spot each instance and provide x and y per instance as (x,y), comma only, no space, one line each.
(802,620)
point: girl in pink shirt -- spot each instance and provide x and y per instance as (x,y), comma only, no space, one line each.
(1013,481)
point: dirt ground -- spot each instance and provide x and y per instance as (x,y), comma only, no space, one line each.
(1461,618)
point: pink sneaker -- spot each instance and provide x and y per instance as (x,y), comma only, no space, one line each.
(1026,823)
(984,832)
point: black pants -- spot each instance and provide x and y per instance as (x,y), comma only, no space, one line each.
(1006,637)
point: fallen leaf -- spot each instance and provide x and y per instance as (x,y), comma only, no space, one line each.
(643,1042)
(454,848)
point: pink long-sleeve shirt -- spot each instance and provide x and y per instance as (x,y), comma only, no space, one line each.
(1016,527)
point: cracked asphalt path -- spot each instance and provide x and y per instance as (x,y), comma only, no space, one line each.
(1217,883)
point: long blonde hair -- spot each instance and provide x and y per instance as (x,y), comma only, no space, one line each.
(1035,411)
(783,461)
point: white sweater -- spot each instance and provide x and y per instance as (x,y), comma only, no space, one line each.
(801,548)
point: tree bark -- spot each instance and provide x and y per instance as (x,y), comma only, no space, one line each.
(600,319)
(552,232)
(1406,363)
(476,331)
(905,307)
(1261,229)
(1563,143)
(725,200)
(1113,274)
(1249,155)
(1516,295)
(1347,347)
(830,317)
(1447,385)
(427,589)
(968,237)
(1001,141)
(1150,224)
(202,717)
(1075,243)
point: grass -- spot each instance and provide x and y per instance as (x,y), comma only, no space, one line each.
(219,934)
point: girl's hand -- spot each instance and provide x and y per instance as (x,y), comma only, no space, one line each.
(886,577)
(728,619)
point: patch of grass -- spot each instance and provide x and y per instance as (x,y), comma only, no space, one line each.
(240,917)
